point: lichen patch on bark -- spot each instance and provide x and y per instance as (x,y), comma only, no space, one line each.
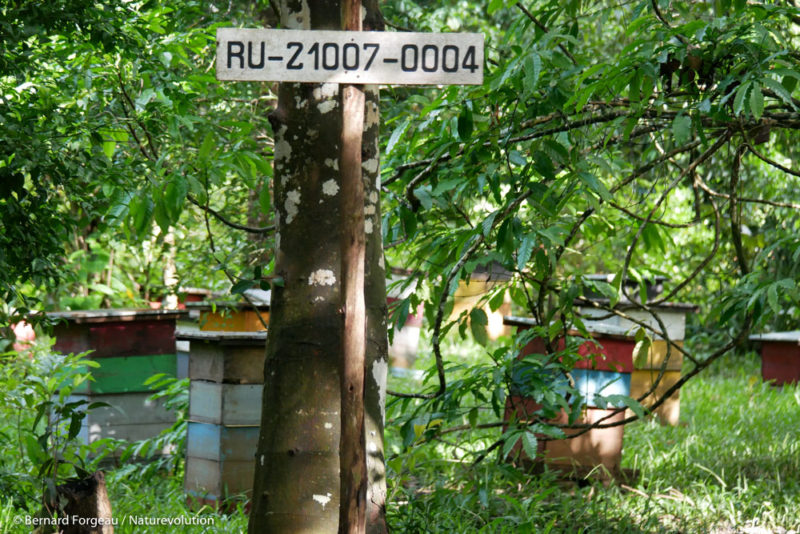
(330,188)
(371,165)
(292,205)
(325,91)
(322,277)
(327,106)
(322,499)
(379,371)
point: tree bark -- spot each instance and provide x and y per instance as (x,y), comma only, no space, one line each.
(85,505)
(352,454)
(297,481)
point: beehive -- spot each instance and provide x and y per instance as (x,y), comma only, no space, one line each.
(130,346)
(604,368)
(780,356)
(226,373)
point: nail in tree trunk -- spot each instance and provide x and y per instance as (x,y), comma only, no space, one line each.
(297,481)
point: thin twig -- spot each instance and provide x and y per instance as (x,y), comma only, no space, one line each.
(208,209)
(545,30)
(769,161)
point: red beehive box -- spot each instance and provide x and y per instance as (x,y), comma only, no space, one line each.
(780,356)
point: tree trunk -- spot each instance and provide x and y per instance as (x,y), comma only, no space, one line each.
(170,301)
(297,480)
(84,506)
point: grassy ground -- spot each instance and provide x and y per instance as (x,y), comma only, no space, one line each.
(732,466)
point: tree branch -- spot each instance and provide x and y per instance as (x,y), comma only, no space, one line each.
(223,220)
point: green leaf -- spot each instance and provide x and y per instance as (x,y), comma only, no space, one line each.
(396,135)
(205,148)
(756,102)
(108,148)
(634,91)
(175,196)
(544,165)
(497,300)
(772,298)
(779,89)
(607,290)
(264,199)
(532,69)
(487,223)
(682,129)
(595,185)
(141,210)
(241,286)
(34,450)
(510,441)
(473,417)
(477,323)
(409,220)
(554,329)
(516,158)
(741,93)
(790,81)
(525,250)
(153,379)
(465,122)
(495,5)
(529,443)
(75,424)
(629,402)
(641,351)
(423,194)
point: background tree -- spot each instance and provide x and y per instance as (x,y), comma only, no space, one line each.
(115,127)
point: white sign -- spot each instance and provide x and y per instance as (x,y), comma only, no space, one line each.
(391,58)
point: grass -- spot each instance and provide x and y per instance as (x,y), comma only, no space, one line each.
(735,460)
(733,465)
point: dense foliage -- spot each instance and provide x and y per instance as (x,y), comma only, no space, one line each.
(641,140)
(113,126)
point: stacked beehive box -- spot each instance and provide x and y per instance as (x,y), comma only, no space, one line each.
(130,346)
(226,373)
(780,356)
(604,368)
(470,293)
(660,360)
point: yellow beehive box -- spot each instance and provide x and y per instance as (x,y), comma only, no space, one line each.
(642,381)
(654,359)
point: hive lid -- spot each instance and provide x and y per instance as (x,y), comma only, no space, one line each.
(100,316)
(596,328)
(221,336)
(664,306)
(791,336)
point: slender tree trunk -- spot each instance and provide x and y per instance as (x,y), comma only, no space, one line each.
(297,481)
(352,453)
(170,301)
